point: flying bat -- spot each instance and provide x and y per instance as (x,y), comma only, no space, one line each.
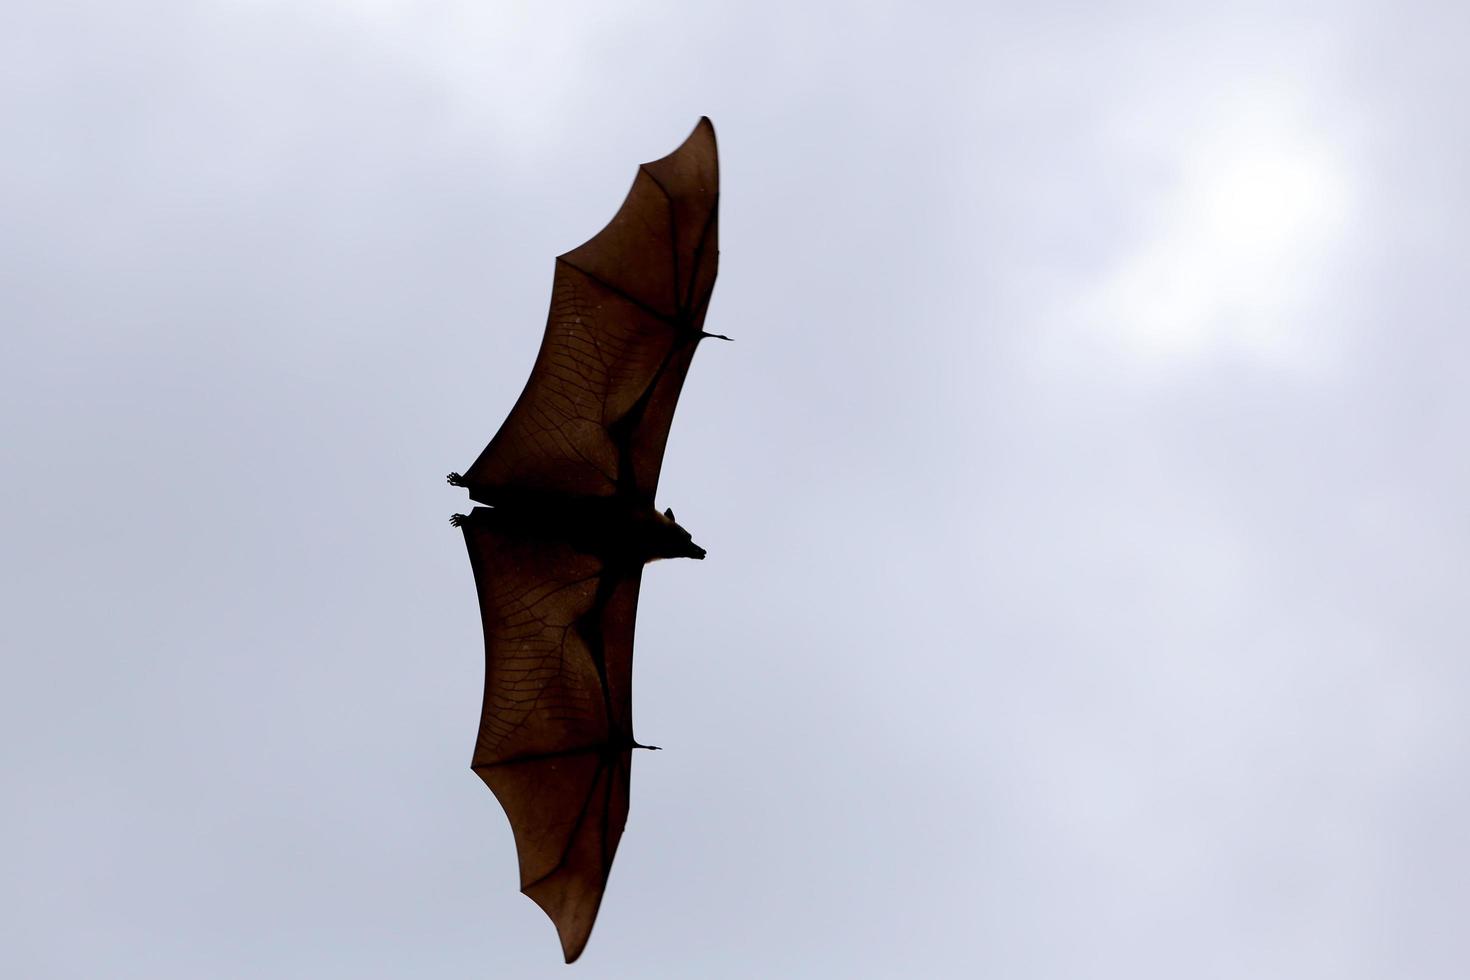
(570,521)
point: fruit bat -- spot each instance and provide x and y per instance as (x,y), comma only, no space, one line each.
(559,549)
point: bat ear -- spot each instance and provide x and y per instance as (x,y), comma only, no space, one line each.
(669,513)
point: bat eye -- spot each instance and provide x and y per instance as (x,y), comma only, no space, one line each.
(669,513)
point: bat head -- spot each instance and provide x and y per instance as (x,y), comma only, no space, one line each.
(670,540)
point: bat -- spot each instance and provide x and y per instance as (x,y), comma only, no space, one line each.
(570,521)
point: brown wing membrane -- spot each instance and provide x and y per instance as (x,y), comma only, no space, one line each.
(556,728)
(627,310)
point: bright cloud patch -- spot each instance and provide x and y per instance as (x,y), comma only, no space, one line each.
(1238,243)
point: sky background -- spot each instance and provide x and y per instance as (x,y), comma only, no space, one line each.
(1085,491)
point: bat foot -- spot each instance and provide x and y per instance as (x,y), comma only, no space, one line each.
(459,520)
(455,480)
(716,336)
(651,748)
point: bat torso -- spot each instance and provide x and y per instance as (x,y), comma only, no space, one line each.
(613,529)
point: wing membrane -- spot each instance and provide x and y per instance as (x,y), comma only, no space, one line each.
(627,310)
(555,733)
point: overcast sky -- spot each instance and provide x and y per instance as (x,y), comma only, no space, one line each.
(1085,491)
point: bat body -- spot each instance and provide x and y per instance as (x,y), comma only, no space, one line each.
(558,553)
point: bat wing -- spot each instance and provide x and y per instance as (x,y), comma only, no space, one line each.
(556,730)
(627,311)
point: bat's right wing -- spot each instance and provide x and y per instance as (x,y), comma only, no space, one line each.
(555,731)
(627,311)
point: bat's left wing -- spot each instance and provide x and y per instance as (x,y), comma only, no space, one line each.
(627,311)
(555,730)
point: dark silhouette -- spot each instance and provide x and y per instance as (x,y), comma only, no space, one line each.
(559,553)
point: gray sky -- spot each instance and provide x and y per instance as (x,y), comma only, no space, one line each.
(1085,492)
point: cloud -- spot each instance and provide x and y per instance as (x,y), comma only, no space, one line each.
(1245,224)
(1084,492)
